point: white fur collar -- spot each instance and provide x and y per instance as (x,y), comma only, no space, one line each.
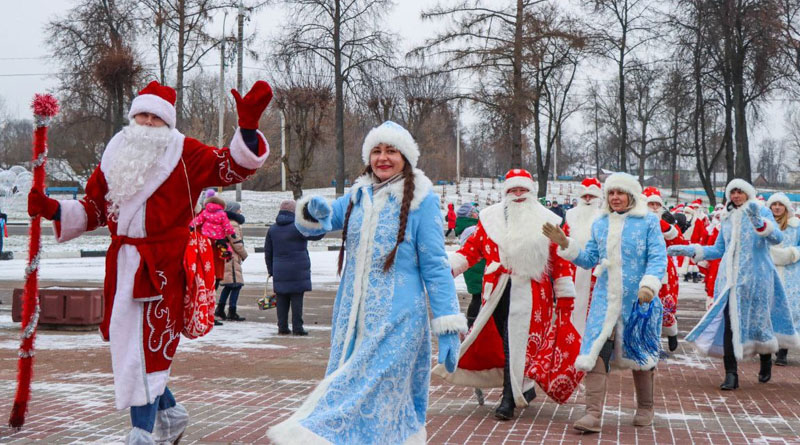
(422,187)
(794,222)
(639,209)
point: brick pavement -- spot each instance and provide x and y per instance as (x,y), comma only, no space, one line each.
(235,389)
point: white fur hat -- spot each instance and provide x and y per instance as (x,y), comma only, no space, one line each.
(742,185)
(781,198)
(624,182)
(393,134)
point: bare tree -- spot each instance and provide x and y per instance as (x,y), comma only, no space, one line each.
(347,35)
(677,96)
(646,105)
(771,160)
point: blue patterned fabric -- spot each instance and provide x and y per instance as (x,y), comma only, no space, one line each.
(760,316)
(375,388)
(790,273)
(629,252)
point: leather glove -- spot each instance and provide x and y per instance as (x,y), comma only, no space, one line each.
(252,105)
(449,345)
(555,234)
(646,295)
(319,209)
(681,251)
(754,214)
(40,204)
(666,216)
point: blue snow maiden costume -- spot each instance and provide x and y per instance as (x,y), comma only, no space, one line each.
(747,283)
(786,255)
(628,252)
(375,389)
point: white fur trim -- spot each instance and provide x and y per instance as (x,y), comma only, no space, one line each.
(242,155)
(290,432)
(392,134)
(300,217)
(518,181)
(742,185)
(593,191)
(422,187)
(654,198)
(671,234)
(458,264)
(794,222)
(564,287)
(571,252)
(651,282)
(795,254)
(519,323)
(150,103)
(130,221)
(669,331)
(448,324)
(73,220)
(699,253)
(781,198)
(767,230)
(623,181)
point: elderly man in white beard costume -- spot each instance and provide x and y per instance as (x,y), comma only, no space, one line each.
(579,228)
(144,190)
(514,342)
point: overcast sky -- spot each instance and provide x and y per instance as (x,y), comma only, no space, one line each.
(24,63)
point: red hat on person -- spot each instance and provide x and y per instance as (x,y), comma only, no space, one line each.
(155,99)
(591,186)
(518,177)
(678,208)
(653,194)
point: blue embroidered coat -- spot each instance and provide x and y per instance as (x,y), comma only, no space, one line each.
(375,389)
(786,256)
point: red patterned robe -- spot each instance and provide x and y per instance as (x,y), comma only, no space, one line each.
(540,351)
(144,281)
(711,268)
(669,290)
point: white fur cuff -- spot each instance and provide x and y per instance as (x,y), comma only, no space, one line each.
(73,220)
(300,217)
(767,230)
(458,263)
(585,362)
(671,234)
(651,282)
(571,252)
(242,154)
(448,324)
(564,287)
(795,257)
(699,252)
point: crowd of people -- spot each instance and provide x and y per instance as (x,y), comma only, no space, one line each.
(557,297)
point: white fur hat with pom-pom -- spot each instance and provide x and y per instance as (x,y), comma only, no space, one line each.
(391,133)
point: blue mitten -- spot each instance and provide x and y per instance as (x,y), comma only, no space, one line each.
(681,251)
(753,212)
(320,210)
(449,345)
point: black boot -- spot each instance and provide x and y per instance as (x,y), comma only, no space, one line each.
(780,357)
(506,409)
(217,322)
(233,316)
(765,373)
(731,381)
(672,342)
(529,394)
(219,314)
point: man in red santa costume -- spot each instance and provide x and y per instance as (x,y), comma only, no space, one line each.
(669,289)
(509,345)
(695,234)
(144,190)
(579,227)
(712,266)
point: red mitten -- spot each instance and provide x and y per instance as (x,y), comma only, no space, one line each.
(40,204)
(252,105)
(564,305)
(665,226)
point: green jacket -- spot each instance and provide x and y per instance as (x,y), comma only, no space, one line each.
(474,275)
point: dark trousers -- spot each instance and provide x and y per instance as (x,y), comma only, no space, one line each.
(229,292)
(295,300)
(729,357)
(446,234)
(473,309)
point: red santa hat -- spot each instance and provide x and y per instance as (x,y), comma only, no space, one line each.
(591,186)
(155,99)
(393,134)
(653,194)
(677,208)
(693,206)
(518,177)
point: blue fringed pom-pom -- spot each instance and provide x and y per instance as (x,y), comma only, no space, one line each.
(641,336)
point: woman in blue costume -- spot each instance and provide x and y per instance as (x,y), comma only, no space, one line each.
(375,389)
(786,256)
(750,314)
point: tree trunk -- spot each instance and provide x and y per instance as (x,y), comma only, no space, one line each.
(742,167)
(541,165)
(339,85)
(596,141)
(517,107)
(728,135)
(623,113)
(181,10)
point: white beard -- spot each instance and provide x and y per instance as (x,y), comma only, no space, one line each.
(580,219)
(142,148)
(524,250)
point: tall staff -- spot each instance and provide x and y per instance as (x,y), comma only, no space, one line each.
(44,107)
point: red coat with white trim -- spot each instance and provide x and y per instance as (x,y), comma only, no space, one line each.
(669,291)
(696,234)
(144,280)
(532,344)
(712,267)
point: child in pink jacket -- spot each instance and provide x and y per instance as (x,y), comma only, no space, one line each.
(214,223)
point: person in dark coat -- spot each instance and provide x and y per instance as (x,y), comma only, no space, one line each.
(286,254)
(558,210)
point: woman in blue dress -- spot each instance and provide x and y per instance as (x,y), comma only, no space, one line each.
(375,388)
(750,313)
